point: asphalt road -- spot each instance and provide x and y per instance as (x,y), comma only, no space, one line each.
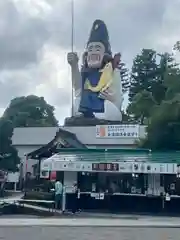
(87,233)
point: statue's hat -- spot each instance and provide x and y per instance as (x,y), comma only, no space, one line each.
(99,33)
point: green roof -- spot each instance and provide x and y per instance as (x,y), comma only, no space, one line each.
(103,150)
(165,157)
(112,155)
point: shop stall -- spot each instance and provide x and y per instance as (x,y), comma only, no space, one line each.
(123,184)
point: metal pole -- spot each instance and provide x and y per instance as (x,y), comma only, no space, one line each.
(72,25)
(26,170)
(64,199)
(21,169)
(72,49)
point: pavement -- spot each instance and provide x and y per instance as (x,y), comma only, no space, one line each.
(87,233)
(146,222)
(89,220)
(19,227)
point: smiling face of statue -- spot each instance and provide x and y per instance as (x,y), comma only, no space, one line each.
(95,54)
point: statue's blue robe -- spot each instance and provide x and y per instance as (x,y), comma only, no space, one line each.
(90,102)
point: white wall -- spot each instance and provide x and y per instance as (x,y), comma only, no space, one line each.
(25,149)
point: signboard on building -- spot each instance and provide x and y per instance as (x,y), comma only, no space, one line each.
(121,167)
(110,167)
(72,166)
(117,131)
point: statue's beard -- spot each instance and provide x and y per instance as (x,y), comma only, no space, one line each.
(94,60)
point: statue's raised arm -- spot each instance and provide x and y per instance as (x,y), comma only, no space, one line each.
(73,60)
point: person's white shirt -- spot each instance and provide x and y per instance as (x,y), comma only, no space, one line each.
(58,188)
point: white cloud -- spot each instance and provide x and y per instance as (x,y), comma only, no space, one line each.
(33,8)
(56,84)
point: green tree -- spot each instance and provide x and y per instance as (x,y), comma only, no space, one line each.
(143,73)
(30,111)
(164,130)
(166,67)
(9,159)
(148,73)
(172,83)
(141,106)
(150,80)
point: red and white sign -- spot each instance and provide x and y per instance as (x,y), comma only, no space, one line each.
(117,131)
(111,167)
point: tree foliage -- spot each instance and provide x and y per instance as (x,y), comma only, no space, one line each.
(30,111)
(148,73)
(138,107)
(9,159)
(155,95)
(164,128)
(143,73)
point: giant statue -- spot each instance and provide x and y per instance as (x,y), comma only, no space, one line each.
(97,86)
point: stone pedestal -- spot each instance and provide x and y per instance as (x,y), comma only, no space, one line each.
(82,121)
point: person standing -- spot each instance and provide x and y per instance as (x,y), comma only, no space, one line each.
(58,194)
(75,199)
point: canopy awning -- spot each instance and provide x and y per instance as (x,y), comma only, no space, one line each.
(80,163)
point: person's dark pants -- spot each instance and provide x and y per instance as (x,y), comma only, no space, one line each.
(58,201)
(74,203)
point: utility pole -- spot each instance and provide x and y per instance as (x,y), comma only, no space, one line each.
(72,50)
(72,25)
